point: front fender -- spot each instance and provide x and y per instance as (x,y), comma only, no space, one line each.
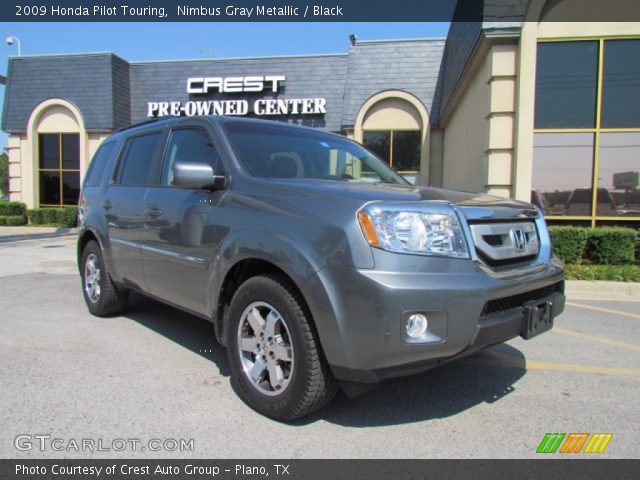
(295,258)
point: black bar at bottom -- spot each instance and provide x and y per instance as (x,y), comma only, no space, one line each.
(316,469)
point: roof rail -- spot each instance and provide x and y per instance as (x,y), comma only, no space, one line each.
(139,124)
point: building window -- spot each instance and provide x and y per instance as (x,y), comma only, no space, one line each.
(621,84)
(618,174)
(566,84)
(399,148)
(586,156)
(59,169)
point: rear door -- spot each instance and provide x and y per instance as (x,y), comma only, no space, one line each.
(180,235)
(124,204)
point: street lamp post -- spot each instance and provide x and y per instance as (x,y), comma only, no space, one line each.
(10,39)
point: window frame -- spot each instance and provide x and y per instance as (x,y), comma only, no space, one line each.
(60,170)
(219,168)
(391,132)
(92,164)
(597,130)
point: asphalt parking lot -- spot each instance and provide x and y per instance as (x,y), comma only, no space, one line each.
(157,373)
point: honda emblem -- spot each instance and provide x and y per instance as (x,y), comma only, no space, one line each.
(519,239)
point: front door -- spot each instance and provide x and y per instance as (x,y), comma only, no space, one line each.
(179,237)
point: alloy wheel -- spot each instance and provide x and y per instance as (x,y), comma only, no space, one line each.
(92,278)
(264,346)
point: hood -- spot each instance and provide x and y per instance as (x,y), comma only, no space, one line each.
(474,205)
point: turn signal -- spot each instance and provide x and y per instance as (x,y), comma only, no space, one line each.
(368,229)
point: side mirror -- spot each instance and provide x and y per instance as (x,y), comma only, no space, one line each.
(196,176)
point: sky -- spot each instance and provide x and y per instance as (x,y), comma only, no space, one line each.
(167,41)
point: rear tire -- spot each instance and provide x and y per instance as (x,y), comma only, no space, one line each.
(100,294)
(274,353)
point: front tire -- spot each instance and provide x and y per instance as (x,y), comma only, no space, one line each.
(100,294)
(274,354)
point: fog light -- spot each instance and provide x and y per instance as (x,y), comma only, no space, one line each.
(416,325)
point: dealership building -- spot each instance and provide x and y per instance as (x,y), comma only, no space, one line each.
(518,105)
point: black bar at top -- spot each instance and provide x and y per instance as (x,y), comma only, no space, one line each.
(490,11)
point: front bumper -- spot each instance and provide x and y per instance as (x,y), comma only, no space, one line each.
(360,314)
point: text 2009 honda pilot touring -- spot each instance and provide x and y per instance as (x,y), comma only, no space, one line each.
(318,265)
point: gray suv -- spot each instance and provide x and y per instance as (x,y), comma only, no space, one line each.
(319,266)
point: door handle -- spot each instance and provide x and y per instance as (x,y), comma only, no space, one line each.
(152,212)
(107,205)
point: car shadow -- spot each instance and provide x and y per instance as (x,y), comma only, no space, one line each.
(191,332)
(484,377)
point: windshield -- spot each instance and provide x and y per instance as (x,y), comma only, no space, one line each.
(279,151)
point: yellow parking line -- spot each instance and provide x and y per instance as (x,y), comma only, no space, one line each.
(564,367)
(569,367)
(606,341)
(605,310)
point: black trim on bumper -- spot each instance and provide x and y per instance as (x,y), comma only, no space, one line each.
(490,330)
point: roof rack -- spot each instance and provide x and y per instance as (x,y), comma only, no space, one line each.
(152,120)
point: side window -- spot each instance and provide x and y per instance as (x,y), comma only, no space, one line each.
(137,162)
(98,164)
(189,145)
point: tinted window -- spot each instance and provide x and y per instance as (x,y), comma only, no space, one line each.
(98,164)
(621,84)
(49,151)
(70,151)
(379,143)
(618,171)
(188,146)
(286,152)
(50,188)
(562,170)
(406,150)
(59,168)
(566,77)
(138,159)
(70,188)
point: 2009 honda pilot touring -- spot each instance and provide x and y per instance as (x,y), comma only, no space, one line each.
(318,265)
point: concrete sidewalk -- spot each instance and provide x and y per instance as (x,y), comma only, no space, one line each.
(18,234)
(601,290)
(576,289)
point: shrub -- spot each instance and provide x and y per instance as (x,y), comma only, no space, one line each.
(68,217)
(613,273)
(611,246)
(637,246)
(50,215)
(15,220)
(64,217)
(568,242)
(3,219)
(35,216)
(13,209)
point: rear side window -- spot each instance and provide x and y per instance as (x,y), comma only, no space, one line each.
(192,145)
(98,164)
(138,157)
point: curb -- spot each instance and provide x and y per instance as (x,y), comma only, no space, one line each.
(19,234)
(602,290)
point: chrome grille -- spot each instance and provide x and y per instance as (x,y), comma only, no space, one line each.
(505,244)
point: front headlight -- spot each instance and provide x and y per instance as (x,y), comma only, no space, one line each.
(421,229)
